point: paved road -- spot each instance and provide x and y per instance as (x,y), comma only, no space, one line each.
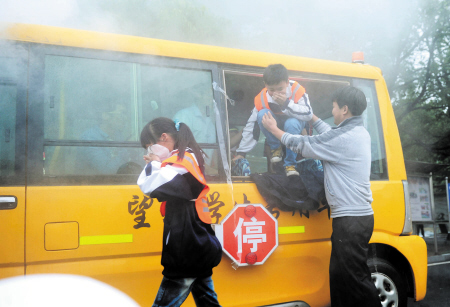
(438,287)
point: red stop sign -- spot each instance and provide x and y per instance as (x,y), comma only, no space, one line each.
(249,234)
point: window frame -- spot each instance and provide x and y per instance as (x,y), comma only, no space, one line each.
(37,143)
(319,77)
(382,144)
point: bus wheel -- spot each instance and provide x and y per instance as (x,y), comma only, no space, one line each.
(388,282)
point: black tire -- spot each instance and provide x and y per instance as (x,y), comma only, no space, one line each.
(389,283)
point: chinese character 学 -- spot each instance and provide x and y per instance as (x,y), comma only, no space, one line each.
(214,204)
(252,234)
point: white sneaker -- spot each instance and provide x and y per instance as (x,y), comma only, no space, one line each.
(277,155)
(291,171)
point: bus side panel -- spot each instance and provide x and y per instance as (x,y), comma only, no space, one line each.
(388,206)
(12,234)
(297,269)
(102,247)
(293,272)
(90,231)
(414,249)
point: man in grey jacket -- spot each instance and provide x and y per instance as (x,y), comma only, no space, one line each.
(345,152)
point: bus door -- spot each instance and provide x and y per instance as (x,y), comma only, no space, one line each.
(85,214)
(13,80)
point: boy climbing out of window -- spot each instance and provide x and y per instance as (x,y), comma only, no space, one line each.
(285,100)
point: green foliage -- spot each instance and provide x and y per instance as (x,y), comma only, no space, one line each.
(419,85)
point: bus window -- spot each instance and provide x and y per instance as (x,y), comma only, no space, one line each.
(243,87)
(372,122)
(96,109)
(93,103)
(180,94)
(12,119)
(318,90)
(185,95)
(8,97)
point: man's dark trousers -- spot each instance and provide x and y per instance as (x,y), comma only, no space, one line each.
(350,280)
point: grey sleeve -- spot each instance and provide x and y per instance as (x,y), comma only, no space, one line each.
(322,147)
(321,126)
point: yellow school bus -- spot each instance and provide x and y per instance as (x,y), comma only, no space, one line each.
(73,104)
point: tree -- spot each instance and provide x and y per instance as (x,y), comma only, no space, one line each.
(420,85)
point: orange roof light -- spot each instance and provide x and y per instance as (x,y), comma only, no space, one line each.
(358,57)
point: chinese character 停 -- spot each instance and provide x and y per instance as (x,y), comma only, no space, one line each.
(253,234)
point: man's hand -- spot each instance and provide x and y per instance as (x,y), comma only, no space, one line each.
(313,119)
(271,125)
(269,122)
(279,98)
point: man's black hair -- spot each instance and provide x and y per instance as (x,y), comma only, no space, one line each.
(351,97)
(274,74)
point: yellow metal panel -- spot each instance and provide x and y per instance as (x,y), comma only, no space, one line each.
(132,44)
(14,269)
(388,206)
(414,249)
(102,212)
(293,272)
(12,237)
(99,211)
(138,276)
(60,236)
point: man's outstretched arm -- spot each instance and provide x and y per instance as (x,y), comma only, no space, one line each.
(316,147)
(270,124)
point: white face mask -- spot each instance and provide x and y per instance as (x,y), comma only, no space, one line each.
(162,152)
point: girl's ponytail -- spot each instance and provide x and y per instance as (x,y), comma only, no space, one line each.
(185,139)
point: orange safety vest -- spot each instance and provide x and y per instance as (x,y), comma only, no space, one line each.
(261,99)
(201,203)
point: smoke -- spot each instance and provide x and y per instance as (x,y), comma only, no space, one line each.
(324,29)
(45,12)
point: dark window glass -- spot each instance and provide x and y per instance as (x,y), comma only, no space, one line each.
(12,117)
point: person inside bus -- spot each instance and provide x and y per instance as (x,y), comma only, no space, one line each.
(198,116)
(108,127)
(240,166)
(174,175)
(288,102)
(346,155)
